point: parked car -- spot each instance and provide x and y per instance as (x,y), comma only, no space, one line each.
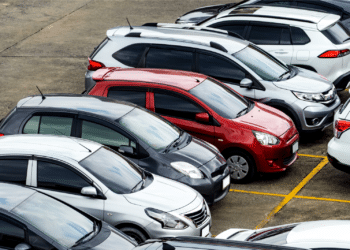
(337,7)
(322,235)
(32,220)
(99,181)
(145,138)
(252,137)
(339,145)
(305,96)
(308,39)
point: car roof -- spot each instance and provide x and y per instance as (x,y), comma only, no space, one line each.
(176,78)
(180,34)
(322,20)
(47,145)
(320,231)
(92,104)
(13,195)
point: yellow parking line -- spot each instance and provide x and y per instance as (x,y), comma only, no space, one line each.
(292,194)
(321,199)
(313,156)
(253,192)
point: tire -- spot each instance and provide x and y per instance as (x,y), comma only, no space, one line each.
(134,233)
(242,166)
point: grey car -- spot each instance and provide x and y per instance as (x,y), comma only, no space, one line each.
(308,98)
(99,181)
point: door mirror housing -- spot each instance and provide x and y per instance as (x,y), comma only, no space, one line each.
(23,246)
(89,191)
(126,150)
(202,117)
(246,83)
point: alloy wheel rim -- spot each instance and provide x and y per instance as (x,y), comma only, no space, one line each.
(239,167)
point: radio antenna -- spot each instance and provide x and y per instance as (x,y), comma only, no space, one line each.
(41,93)
(129,24)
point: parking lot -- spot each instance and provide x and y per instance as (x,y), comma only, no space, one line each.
(46,44)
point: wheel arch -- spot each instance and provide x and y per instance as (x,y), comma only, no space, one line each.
(285,108)
(133,225)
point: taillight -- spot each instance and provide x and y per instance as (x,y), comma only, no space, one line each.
(94,65)
(1,134)
(340,127)
(334,53)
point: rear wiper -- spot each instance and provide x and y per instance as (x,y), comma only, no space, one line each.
(281,76)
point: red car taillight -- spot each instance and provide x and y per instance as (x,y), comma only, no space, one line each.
(334,53)
(94,65)
(340,127)
(1,134)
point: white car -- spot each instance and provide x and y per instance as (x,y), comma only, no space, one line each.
(339,145)
(322,235)
(309,39)
(99,181)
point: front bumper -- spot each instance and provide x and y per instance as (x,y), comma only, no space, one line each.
(211,187)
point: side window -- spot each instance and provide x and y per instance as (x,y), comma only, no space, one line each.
(39,243)
(174,106)
(266,35)
(106,136)
(220,68)
(13,171)
(52,125)
(130,55)
(299,36)
(169,59)
(136,97)
(56,177)
(10,234)
(236,28)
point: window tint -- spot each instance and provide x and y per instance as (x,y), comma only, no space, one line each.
(57,177)
(14,171)
(220,68)
(299,37)
(237,28)
(130,55)
(55,125)
(267,35)
(285,37)
(4,120)
(101,134)
(337,34)
(32,126)
(136,97)
(10,235)
(174,106)
(169,59)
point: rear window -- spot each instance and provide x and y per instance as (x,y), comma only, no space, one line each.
(5,119)
(99,47)
(337,34)
(130,55)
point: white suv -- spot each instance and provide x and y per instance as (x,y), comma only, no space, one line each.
(309,39)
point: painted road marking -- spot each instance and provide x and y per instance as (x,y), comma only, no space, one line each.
(313,156)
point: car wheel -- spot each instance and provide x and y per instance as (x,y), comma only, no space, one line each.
(242,166)
(134,233)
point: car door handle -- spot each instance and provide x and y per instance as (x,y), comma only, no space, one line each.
(281,52)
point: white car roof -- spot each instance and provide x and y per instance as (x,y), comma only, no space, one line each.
(322,20)
(321,231)
(48,145)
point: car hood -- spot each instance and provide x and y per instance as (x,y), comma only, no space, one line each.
(163,194)
(266,119)
(305,81)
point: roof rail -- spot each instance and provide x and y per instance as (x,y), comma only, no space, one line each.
(266,16)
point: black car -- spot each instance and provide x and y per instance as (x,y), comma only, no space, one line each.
(32,220)
(338,7)
(144,137)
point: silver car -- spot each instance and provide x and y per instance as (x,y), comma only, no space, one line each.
(307,97)
(98,181)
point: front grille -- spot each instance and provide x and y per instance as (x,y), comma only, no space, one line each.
(220,171)
(199,216)
(288,160)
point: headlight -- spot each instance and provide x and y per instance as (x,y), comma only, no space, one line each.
(266,139)
(187,169)
(167,220)
(309,97)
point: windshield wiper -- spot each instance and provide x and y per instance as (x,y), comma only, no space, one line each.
(242,112)
(82,239)
(134,188)
(175,143)
(285,73)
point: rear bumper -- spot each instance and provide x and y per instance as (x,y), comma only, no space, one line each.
(338,165)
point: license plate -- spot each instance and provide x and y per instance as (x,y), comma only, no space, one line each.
(295,147)
(226,182)
(205,231)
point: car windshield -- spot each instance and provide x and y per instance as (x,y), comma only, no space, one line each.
(276,236)
(42,212)
(151,129)
(117,173)
(263,64)
(220,99)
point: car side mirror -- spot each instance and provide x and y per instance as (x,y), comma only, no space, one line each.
(126,150)
(23,246)
(202,117)
(246,83)
(90,191)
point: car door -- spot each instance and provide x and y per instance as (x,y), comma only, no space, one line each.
(181,111)
(65,183)
(301,51)
(273,38)
(14,169)
(225,70)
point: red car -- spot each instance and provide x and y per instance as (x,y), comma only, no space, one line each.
(253,137)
